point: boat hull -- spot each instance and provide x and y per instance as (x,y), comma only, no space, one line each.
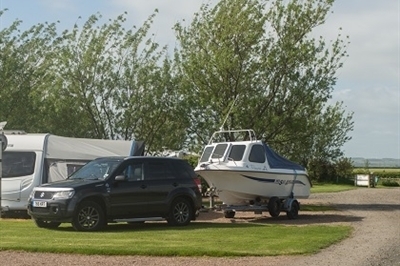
(244,187)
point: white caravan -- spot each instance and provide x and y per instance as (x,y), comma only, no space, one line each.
(30,160)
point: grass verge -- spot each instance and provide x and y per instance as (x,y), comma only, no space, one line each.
(331,188)
(159,239)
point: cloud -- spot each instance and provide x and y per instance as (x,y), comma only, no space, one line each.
(373,28)
(169,13)
(368,83)
(377,121)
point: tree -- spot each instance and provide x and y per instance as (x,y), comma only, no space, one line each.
(23,70)
(95,81)
(264,56)
(115,83)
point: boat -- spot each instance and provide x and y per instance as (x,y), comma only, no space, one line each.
(244,171)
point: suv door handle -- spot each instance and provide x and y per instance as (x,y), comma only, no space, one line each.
(143,186)
(175,184)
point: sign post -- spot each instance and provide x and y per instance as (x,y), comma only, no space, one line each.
(3,146)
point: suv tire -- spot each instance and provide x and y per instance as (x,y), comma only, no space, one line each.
(181,212)
(89,217)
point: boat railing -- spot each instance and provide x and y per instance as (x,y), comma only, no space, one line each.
(233,136)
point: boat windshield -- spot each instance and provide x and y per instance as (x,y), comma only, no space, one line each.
(237,152)
(218,151)
(97,169)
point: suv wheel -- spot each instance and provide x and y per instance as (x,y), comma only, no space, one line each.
(46,224)
(181,212)
(88,217)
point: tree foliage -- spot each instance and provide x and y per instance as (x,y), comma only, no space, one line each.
(264,55)
(23,71)
(119,83)
(96,81)
(101,80)
(324,170)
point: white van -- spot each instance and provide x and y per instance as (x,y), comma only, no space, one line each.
(30,160)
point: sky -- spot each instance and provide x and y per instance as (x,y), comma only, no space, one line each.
(368,84)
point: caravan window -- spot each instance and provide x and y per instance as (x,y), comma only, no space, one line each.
(18,163)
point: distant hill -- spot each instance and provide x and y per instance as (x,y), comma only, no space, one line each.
(360,162)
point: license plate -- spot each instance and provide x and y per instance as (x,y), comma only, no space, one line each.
(40,204)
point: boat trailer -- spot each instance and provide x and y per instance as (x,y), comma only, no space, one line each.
(274,205)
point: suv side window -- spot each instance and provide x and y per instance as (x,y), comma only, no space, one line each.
(184,170)
(156,170)
(133,172)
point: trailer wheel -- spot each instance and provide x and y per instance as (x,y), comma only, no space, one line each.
(274,206)
(229,214)
(88,217)
(293,213)
(46,224)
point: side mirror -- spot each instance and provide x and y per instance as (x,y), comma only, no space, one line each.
(120,178)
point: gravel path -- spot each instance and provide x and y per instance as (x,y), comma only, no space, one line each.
(374,214)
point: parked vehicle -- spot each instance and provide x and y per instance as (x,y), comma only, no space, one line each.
(119,189)
(30,160)
(247,175)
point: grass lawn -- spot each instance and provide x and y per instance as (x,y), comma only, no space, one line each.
(160,239)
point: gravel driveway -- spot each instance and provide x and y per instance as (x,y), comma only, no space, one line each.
(373,212)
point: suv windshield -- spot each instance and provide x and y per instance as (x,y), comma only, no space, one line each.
(97,169)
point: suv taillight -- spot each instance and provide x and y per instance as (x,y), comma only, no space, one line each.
(198,182)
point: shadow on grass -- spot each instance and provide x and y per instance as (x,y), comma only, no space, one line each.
(242,222)
(308,219)
(155,226)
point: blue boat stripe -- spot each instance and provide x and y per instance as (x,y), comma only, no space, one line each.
(269,180)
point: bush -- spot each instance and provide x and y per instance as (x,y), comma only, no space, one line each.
(322,170)
(390,182)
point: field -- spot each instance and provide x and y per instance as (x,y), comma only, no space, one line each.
(248,239)
(160,239)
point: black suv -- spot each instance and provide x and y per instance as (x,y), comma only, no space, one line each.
(119,189)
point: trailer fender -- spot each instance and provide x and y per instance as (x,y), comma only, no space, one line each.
(287,205)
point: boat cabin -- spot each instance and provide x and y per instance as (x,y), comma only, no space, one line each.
(238,146)
(233,145)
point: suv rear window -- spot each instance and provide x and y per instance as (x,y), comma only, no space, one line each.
(158,170)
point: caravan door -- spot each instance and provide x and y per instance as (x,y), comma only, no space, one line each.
(21,172)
